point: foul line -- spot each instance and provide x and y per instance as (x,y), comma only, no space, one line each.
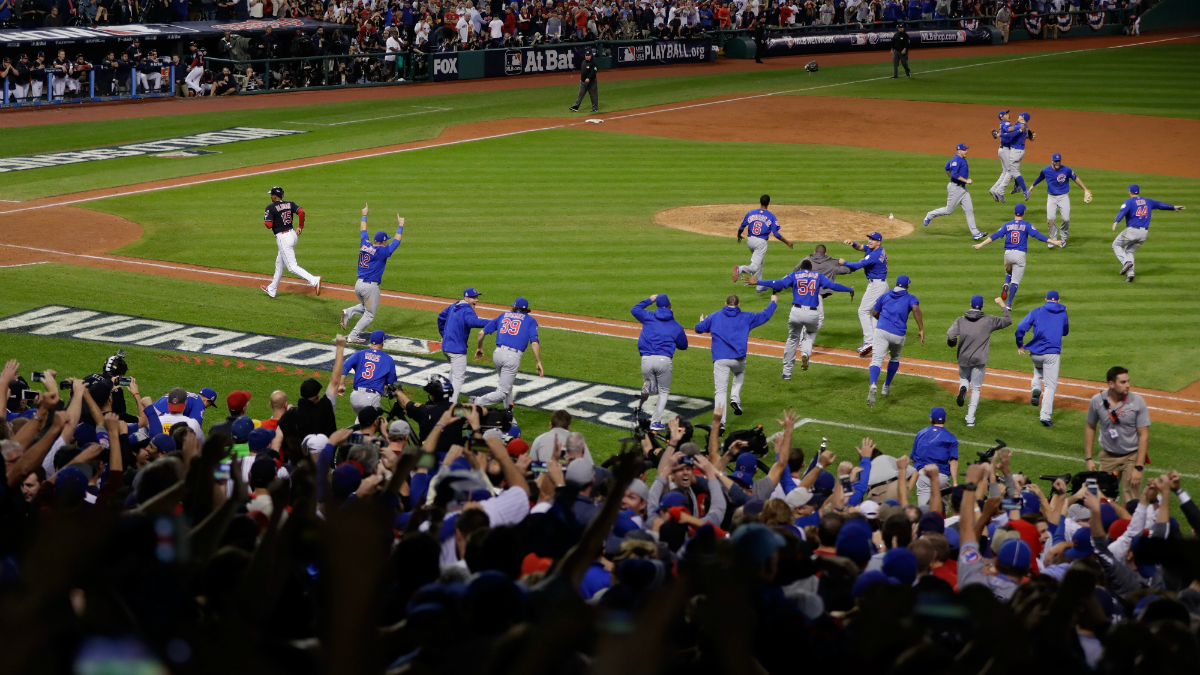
(809,420)
(23,264)
(372,119)
(1139,44)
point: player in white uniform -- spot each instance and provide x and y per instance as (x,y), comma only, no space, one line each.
(280,217)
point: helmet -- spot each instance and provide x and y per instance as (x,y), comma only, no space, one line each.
(276,192)
(439,386)
(811,66)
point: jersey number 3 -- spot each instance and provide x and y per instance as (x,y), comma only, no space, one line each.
(368,370)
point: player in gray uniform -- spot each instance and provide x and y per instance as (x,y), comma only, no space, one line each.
(956,191)
(997,189)
(1058,196)
(972,334)
(372,260)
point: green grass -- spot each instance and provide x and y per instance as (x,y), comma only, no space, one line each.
(576,235)
(1141,80)
(824,392)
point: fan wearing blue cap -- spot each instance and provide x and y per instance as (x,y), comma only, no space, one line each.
(515,332)
(373,370)
(1058,195)
(972,334)
(661,335)
(874,267)
(1012,560)
(1049,325)
(454,325)
(934,445)
(759,225)
(892,310)
(956,191)
(372,259)
(1016,234)
(180,401)
(1135,211)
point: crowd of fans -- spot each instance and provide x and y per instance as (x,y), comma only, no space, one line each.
(144,535)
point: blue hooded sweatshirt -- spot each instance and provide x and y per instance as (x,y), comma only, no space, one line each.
(1049,324)
(455,324)
(661,333)
(730,330)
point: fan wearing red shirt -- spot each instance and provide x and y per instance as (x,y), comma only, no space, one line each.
(581,20)
(723,16)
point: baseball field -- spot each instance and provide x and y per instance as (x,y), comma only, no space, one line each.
(505,190)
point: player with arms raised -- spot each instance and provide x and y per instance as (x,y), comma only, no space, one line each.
(372,259)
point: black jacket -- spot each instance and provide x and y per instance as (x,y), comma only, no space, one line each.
(900,41)
(587,70)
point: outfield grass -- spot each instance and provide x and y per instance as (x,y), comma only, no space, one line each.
(827,393)
(1140,80)
(575,234)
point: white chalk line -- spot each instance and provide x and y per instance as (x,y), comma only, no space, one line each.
(1139,44)
(24,264)
(374,119)
(527,131)
(1069,458)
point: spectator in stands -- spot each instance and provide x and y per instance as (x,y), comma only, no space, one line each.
(225,84)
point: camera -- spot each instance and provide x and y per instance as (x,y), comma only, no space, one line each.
(389,390)
(756,440)
(124,381)
(537,467)
(29,395)
(36,376)
(64,385)
(986,455)
(1108,484)
(222,471)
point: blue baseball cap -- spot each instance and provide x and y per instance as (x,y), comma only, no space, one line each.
(747,462)
(1051,295)
(259,439)
(241,428)
(1002,114)
(209,393)
(744,477)
(938,414)
(1016,553)
(756,542)
(901,565)
(1019,209)
(902,280)
(471,293)
(380,236)
(1056,157)
(1024,116)
(1135,189)
(1082,547)
(85,434)
(662,301)
(377,337)
(868,579)
(163,442)
(670,500)
(876,236)
(521,303)
(962,146)
(976,302)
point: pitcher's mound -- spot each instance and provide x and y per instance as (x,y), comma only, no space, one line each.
(797,223)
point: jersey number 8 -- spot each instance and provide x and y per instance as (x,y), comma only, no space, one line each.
(1014,237)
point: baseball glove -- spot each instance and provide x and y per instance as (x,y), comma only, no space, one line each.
(1032,135)
(1087,196)
(995,134)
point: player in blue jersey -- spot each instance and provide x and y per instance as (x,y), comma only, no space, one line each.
(454,325)
(372,259)
(892,310)
(1018,134)
(956,191)
(759,225)
(1016,233)
(730,329)
(874,266)
(1004,133)
(806,317)
(1058,195)
(661,335)
(373,370)
(193,407)
(515,332)
(1135,211)
(1049,325)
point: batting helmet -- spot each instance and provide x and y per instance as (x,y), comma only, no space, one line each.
(811,66)
(276,192)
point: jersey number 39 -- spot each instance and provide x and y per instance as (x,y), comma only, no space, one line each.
(510,326)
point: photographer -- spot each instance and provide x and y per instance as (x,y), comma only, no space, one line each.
(428,415)
(1123,420)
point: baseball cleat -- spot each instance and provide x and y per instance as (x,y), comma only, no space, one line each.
(1004,293)
(871,396)
(1126,267)
(658,427)
(1027,195)
(970,423)
(356,341)
(1050,245)
(1003,200)
(804,362)
(979,236)
(573,109)
(887,389)
(1015,189)
(864,349)
(737,407)
(345,319)
(737,273)
(926,221)
(267,291)
(995,197)
(1129,278)
(962,396)
(1035,398)
(318,286)
(1047,423)
(787,378)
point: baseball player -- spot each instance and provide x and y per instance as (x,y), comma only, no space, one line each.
(149,72)
(730,330)
(892,310)
(278,217)
(1058,195)
(972,334)
(1135,211)
(937,446)
(956,191)
(1003,133)
(515,332)
(193,405)
(1016,233)
(661,335)
(372,259)
(454,325)
(373,371)
(1050,326)
(1019,133)
(195,70)
(807,315)
(874,266)
(759,224)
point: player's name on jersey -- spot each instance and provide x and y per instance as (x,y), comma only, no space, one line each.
(594,401)
(221,137)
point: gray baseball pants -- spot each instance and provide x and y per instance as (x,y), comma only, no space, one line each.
(758,253)
(656,379)
(803,325)
(885,341)
(508,364)
(924,485)
(972,378)
(1063,204)
(1017,260)
(955,195)
(589,88)
(1045,378)
(1128,242)
(1004,153)
(722,368)
(361,398)
(875,288)
(458,372)
(368,304)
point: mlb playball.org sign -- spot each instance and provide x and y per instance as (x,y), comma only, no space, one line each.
(593,401)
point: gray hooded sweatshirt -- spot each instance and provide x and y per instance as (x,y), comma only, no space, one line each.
(972,332)
(827,266)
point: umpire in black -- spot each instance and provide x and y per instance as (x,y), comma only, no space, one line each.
(587,81)
(900,42)
(760,38)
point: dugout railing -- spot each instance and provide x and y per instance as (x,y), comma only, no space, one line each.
(341,71)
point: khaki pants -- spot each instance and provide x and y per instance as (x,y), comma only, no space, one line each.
(882,493)
(1003,26)
(1122,465)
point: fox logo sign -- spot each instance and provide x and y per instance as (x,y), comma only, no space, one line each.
(445,66)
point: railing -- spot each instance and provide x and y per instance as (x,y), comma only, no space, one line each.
(368,69)
(103,84)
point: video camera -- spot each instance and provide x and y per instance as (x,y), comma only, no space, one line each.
(987,455)
(755,438)
(1108,483)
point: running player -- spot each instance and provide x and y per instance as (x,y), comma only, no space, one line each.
(806,317)
(1135,211)
(286,221)
(759,225)
(1016,233)
(1058,195)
